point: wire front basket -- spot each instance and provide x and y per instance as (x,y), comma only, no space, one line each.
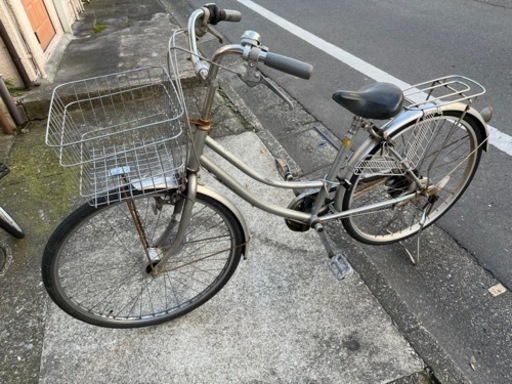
(123,132)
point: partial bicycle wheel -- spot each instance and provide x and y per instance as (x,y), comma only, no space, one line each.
(96,269)
(8,224)
(448,149)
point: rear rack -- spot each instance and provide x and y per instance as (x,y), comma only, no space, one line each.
(442,91)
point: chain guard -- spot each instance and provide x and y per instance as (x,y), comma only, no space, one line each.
(302,203)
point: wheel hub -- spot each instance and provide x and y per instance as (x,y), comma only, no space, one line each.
(398,185)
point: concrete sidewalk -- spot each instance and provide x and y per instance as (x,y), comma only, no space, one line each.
(283,318)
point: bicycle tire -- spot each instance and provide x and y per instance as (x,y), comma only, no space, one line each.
(95,268)
(450,161)
(8,224)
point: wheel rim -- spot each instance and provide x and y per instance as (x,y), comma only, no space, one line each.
(102,267)
(451,158)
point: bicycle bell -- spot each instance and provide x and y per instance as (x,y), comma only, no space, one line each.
(251,38)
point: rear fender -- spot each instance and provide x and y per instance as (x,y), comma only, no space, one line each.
(461,107)
(405,118)
(414,114)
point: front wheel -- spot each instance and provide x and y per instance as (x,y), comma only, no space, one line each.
(444,150)
(96,269)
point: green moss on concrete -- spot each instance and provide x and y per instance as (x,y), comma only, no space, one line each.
(38,192)
(14,90)
(97,28)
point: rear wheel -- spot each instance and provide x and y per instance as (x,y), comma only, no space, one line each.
(96,269)
(448,150)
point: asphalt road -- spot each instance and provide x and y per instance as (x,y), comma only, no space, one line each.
(414,41)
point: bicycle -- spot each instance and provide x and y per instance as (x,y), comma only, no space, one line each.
(153,244)
(7,223)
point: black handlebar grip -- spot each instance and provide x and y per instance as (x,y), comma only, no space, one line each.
(230,15)
(289,65)
(217,14)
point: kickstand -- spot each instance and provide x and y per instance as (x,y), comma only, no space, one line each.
(415,259)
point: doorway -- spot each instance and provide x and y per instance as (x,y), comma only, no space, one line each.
(40,21)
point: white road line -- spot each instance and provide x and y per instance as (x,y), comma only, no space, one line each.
(498,139)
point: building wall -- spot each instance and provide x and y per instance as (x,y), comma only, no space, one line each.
(62,14)
(7,68)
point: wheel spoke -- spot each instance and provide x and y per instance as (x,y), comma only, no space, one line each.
(448,162)
(97,269)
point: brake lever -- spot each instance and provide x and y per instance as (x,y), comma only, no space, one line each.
(252,77)
(215,33)
(274,89)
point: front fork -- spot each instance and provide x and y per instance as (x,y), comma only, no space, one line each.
(185,205)
(158,253)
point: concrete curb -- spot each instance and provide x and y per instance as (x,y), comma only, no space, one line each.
(405,320)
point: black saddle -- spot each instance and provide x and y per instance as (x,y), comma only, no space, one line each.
(378,101)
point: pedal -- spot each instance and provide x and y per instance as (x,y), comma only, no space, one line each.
(284,169)
(340,267)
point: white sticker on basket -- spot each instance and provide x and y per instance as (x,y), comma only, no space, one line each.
(119,170)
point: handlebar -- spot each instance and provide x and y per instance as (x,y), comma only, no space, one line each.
(211,14)
(198,26)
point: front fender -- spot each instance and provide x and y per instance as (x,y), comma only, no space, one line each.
(232,207)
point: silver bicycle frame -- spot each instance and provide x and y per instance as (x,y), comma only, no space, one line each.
(201,138)
(198,159)
(321,185)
